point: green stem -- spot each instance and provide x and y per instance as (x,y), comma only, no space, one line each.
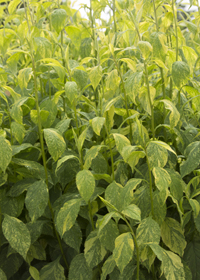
(125,97)
(76,119)
(49,83)
(91,217)
(92,27)
(115,23)
(111,155)
(150,184)
(149,97)
(155,14)
(176,29)
(136,246)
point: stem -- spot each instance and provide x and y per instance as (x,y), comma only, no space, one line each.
(176,30)
(42,142)
(92,27)
(125,97)
(115,24)
(111,155)
(150,185)
(156,20)
(149,97)
(76,119)
(90,212)
(136,245)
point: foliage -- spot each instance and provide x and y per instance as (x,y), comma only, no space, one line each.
(99,141)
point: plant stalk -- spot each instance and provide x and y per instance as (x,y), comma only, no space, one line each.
(150,184)
(176,29)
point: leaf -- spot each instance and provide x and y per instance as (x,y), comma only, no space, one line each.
(63,125)
(107,234)
(95,76)
(94,252)
(85,183)
(148,231)
(52,271)
(80,78)
(81,139)
(73,237)
(67,215)
(123,251)
(126,195)
(34,273)
(90,155)
(180,73)
(171,263)
(5,153)
(74,34)
(174,115)
(37,199)
(108,267)
(130,62)
(55,143)
(97,124)
(162,178)
(177,185)
(195,207)
(113,195)
(24,76)
(2,275)
(18,131)
(157,155)
(71,91)
(44,47)
(173,236)
(58,17)
(193,158)
(158,40)
(113,80)
(133,212)
(121,141)
(17,234)
(85,48)
(133,84)
(79,269)
(12,6)
(132,156)
(192,257)
(145,48)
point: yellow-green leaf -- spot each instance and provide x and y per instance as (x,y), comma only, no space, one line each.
(85,183)
(5,153)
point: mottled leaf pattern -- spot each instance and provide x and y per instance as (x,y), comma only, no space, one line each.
(5,153)
(52,271)
(85,183)
(79,269)
(17,234)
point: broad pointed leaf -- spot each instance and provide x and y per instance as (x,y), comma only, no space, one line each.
(85,183)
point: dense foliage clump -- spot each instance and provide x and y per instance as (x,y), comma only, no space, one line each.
(99,141)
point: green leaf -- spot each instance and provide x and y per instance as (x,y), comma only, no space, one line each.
(121,141)
(34,273)
(113,80)
(11,206)
(2,275)
(94,251)
(162,178)
(24,76)
(132,156)
(192,257)
(97,124)
(177,185)
(148,231)
(63,125)
(71,91)
(79,269)
(123,252)
(145,48)
(58,17)
(85,183)
(81,139)
(95,76)
(80,78)
(44,47)
(43,116)
(174,115)
(12,6)
(49,106)
(133,212)
(127,192)
(159,206)
(171,263)
(180,73)
(157,155)
(37,199)
(108,204)
(52,271)
(90,155)
(133,84)
(173,236)
(18,131)
(55,143)
(195,206)
(158,40)
(85,48)
(73,237)
(74,34)
(5,153)
(113,195)
(17,234)
(108,267)
(192,153)
(141,198)
(107,234)
(67,215)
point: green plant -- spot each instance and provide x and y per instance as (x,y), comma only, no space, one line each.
(99,141)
